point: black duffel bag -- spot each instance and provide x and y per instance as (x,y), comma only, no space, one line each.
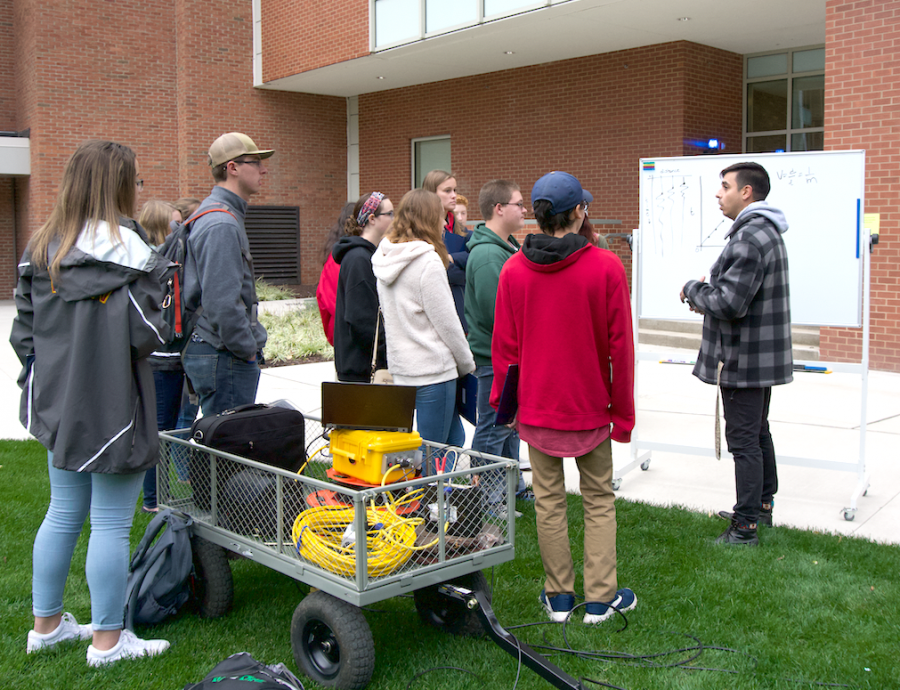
(242,672)
(269,434)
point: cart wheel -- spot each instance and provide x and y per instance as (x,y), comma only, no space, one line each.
(616,484)
(449,614)
(332,642)
(849,515)
(645,465)
(212,585)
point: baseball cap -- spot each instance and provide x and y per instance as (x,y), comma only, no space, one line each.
(234,145)
(562,190)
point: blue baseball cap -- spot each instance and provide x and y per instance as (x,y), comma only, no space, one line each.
(562,190)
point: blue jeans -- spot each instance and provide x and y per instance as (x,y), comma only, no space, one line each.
(168,386)
(186,418)
(222,381)
(496,440)
(109,498)
(189,410)
(436,416)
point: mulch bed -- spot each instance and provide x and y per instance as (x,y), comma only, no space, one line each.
(311,359)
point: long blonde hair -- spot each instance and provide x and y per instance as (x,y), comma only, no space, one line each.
(432,181)
(419,217)
(155,218)
(99,184)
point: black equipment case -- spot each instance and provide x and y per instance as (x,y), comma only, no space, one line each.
(270,434)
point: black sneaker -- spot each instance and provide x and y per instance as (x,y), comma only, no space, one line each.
(765,516)
(738,533)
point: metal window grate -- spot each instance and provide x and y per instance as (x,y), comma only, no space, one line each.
(274,234)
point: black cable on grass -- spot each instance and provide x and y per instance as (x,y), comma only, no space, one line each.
(519,665)
(323,435)
(442,668)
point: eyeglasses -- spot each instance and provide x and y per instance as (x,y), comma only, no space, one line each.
(389,214)
(139,183)
(252,161)
(520,204)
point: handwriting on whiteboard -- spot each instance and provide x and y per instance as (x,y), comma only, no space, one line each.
(794,176)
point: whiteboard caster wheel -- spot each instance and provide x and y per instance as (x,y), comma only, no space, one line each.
(866,492)
(645,465)
(849,514)
(616,484)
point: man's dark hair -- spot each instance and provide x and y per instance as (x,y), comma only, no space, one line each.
(752,174)
(218,172)
(493,193)
(548,221)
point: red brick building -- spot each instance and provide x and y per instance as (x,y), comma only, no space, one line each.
(346,98)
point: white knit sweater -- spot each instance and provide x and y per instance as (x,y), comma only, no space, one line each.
(425,340)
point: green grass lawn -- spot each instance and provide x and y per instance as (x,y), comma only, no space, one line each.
(803,609)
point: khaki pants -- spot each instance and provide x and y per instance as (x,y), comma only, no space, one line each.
(595,469)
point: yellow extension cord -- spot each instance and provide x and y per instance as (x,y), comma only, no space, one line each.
(390,538)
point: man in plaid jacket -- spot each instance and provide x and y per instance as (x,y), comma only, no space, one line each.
(746,346)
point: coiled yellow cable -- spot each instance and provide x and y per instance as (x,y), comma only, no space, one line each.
(390,538)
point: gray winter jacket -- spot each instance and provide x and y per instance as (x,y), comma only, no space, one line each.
(218,275)
(83,340)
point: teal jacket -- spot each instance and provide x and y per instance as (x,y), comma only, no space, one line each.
(487,254)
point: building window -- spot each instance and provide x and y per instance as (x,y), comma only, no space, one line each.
(398,22)
(784,107)
(429,153)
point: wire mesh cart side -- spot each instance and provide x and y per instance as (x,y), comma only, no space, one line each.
(356,544)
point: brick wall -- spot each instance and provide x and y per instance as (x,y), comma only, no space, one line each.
(7,68)
(94,71)
(104,71)
(216,95)
(299,35)
(713,80)
(594,117)
(862,85)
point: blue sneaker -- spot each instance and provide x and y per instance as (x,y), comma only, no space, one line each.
(558,607)
(596,612)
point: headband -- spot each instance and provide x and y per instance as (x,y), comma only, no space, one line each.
(371,205)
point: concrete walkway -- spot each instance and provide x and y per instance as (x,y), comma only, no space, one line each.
(817,416)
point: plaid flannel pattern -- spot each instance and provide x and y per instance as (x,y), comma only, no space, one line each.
(746,303)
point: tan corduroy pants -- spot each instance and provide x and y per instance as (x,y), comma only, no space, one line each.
(595,469)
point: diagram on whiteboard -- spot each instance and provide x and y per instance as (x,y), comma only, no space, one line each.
(683,231)
(673,202)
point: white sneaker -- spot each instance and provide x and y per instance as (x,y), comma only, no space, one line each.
(68,629)
(129,646)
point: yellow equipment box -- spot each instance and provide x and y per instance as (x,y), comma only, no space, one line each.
(367,455)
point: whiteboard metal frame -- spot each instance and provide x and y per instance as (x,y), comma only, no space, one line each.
(842,171)
(641,451)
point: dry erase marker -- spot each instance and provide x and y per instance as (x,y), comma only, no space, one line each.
(676,361)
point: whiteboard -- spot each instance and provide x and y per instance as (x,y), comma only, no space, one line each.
(682,230)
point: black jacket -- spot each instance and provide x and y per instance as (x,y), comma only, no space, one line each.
(356,311)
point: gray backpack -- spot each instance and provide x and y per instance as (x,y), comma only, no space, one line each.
(159,573)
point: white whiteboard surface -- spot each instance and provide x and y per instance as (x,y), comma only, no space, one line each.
(682,230)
